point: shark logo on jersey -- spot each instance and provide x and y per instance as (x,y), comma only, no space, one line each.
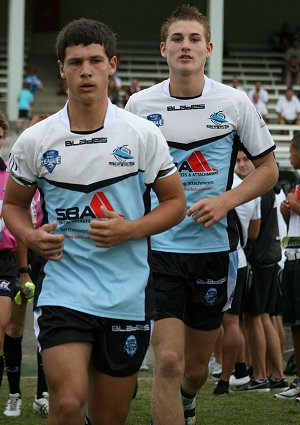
(218,119)
(156,118)
(122,155)
(131,345)
(51,159)
(211,296)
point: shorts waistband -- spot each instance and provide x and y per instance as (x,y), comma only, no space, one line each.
(292,256)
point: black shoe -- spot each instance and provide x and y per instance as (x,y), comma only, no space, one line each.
(221,388)
(253,385)
(278,384)
(87,421)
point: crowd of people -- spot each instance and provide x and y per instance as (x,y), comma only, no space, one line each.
(152,220)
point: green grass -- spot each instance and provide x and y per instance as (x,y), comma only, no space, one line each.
(232,409)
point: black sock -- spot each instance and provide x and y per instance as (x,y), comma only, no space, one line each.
(1,368)
(224,383)
(41,380)
(13,359)
(240,369)
(186,395)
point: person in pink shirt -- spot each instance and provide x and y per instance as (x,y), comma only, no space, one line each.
(14,273)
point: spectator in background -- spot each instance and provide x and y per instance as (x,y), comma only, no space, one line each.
(235,83)
(288,108)
(34,82)
(260,105)
(292,72)
(293,50)
(114,93)
(134,86)
(262,93)
(25,101)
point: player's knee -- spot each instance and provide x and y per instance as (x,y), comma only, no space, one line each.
(197,376)
(66,407)
(169,365)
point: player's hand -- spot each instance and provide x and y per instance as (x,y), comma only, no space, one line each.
(208,211)
(48,245)
(285,207)
(113,231)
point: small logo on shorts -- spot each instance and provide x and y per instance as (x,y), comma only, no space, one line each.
(211,296)
(130,345)
(4,285)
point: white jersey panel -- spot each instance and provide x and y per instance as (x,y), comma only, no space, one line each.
(77,174)
(246,212)
(203,134)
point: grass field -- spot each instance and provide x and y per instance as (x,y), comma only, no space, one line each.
(232,409)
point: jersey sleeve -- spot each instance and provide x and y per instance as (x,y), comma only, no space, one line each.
(256,211)
(21,166)
(252,130)
(159,163)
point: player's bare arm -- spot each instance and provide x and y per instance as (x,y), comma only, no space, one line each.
(170,211)
(16,212)
(210,210)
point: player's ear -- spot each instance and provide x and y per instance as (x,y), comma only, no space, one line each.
(209,49)
(163,49)
(61,70)
(113,65)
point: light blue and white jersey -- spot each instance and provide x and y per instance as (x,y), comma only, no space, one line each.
(203,134)
(77,174)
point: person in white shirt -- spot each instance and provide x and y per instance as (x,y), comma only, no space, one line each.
(263,93)
(288,108)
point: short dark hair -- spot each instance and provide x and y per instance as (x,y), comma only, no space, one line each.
(185,12)
(85,31)
(4,123)
(296,141)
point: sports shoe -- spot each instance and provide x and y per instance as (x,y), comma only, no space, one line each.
(41,405)
(278,384)
(237,381)
(87,421)
(216,375)
(190,412)
(214,366)
(292,392)
(253,385)
(13,405)
(221,388)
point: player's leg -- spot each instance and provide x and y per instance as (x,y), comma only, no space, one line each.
(118,353)
(13,346)
(109,398)
(168,338)
(198,348)
(168,347)
(66,370)
(65,337)
(5,307)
